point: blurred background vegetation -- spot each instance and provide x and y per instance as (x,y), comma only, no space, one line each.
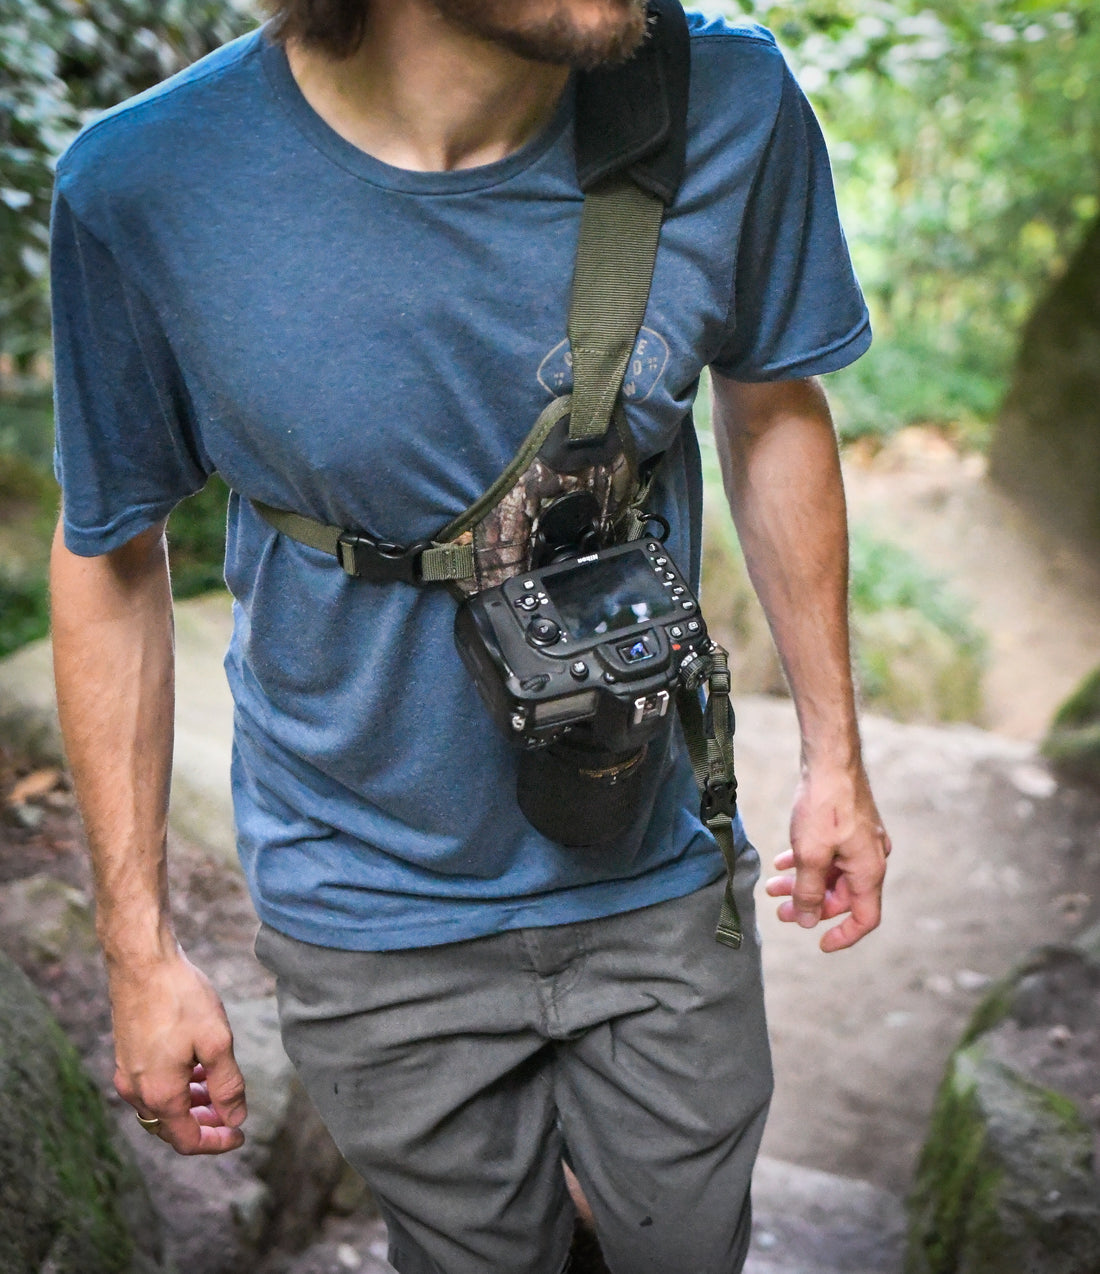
(965,136)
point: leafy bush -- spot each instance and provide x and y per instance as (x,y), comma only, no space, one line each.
(917,656)
(61,61)
(24,608)
(920,378)
(196,541)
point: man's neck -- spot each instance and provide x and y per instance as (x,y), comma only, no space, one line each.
(422,94)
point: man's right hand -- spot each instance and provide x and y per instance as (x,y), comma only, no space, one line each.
(113,662)
(174,1055)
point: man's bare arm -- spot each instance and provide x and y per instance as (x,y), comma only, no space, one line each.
(113,663)
(782,475)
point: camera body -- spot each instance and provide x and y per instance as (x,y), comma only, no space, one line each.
(588,651)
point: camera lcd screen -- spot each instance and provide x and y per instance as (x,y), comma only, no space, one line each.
(608,596)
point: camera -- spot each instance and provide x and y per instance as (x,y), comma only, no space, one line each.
(579,662)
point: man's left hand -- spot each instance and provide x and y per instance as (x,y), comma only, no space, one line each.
(838,851)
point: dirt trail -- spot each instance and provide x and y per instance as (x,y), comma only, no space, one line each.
(1036,597)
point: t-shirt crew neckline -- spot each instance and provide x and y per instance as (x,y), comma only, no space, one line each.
(360,164)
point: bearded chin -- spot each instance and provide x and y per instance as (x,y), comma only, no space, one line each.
(553,36)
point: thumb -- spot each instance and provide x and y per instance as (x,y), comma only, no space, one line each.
(225,1084)
(808,894)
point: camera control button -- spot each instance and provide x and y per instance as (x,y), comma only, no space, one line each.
(679,591)
(653,546)
(688,605)
(694,626)
(536,683)
(675,631)
(610,678)
(670,575)
(542,631)
(660,561)
(578,670)
(527,602)
(529,584)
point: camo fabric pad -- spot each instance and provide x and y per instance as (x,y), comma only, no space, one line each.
(502,540)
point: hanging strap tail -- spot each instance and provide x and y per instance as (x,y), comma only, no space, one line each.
(709,739)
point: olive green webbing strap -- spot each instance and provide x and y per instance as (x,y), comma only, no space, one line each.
(438,563)
(620,226)
(710,747)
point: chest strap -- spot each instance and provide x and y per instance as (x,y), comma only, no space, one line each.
(620,227)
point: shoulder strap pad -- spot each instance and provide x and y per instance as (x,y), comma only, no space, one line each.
(632,118)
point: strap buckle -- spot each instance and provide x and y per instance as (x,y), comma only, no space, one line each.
(380,561)
(719,797)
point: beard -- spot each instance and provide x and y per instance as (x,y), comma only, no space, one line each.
(578,33)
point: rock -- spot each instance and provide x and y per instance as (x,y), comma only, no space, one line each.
(291,1153)
(71,1201)
(912,670)
(1046,448)
(201,805)
(43,919)
(1007,1180)
(812,1222)
(1073,742)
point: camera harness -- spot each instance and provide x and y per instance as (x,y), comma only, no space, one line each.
(578,467)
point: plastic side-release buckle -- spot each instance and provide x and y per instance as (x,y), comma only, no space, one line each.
(719,797)
(380,561)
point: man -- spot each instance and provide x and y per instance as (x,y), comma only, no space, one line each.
(332,262)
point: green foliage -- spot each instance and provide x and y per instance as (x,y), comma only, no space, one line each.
(916,654)
(884,576)
(909,378)
(24,608)
(966,140)
(196,540)
(61,61)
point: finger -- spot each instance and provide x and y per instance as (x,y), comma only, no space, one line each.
(784,861)
(779,886)
(836,904)
(225,1084)
(865,914)
(200,1095)
(808,893)
(206,1117)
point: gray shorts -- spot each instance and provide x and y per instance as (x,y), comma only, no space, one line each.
(456,1079)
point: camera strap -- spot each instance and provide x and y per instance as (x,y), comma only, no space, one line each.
(709,737)
(630,138)
(631,127)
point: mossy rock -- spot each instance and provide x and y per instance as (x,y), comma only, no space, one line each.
(71,1201)
(910,669)
(1007,1182)
(1073,742)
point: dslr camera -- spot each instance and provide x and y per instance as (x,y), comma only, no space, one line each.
(579,662)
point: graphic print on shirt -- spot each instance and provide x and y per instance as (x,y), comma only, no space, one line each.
(647,366)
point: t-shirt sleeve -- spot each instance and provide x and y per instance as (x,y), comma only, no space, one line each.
(796,308)
(126,448)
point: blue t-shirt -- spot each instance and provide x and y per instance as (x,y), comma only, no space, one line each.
(239,289)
